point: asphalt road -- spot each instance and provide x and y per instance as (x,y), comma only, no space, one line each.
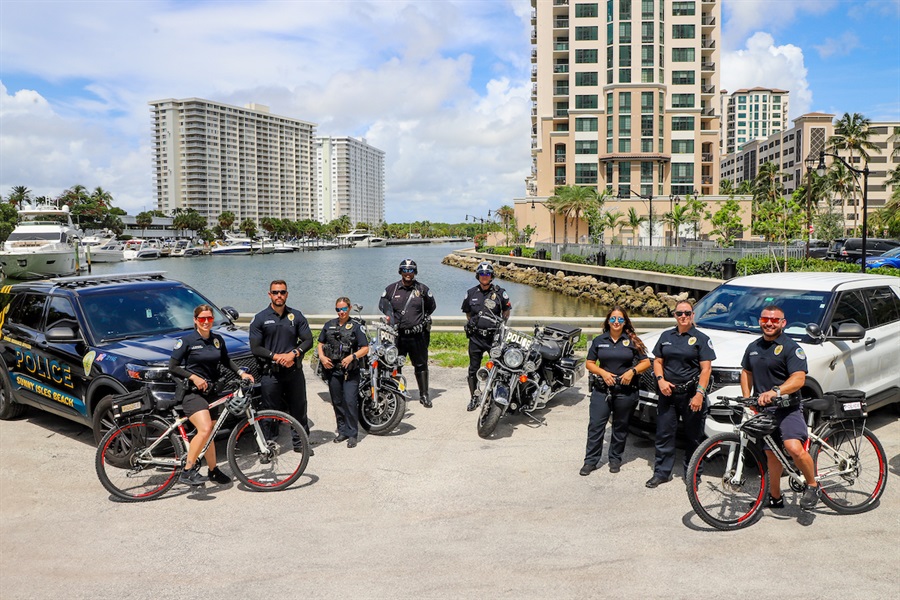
(432,511)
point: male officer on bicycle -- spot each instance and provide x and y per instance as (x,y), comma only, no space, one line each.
(279,336)
(774,367)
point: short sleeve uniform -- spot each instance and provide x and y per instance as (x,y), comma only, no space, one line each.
(682,354)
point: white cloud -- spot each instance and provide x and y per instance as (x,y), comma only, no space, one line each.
(428,83)
(762,63)
(744,16)
(846,43)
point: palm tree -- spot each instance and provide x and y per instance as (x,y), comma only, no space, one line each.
(19,195)
(851,133)
(634,221)
(143,220)
(226,220)
(744,188)
(507,215)
(102,197)
(248,226)
(678,216)
(767,185)
(610,219)
(726,187)
(573,201)
(696,210)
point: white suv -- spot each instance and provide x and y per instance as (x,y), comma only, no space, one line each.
(848,324)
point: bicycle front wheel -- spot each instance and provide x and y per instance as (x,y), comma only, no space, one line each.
(269,452)
(851,468)
(724,491)
(139,461)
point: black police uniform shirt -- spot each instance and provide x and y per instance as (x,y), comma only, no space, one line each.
(493,300)
(772,363)
(198,356)
(343,339)
(615,357)
(404,311)
(271,333)
(682,353)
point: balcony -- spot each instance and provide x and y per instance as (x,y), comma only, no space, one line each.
(534,71)
(559,158)
(561,90)
(560,2)
(708,112)
(561,24)
(707,180)
(560,68)
(708,21)
(559,180)
(708,89)
(561,47)
(707,157)
(707,66)
(707,43)
(561,112)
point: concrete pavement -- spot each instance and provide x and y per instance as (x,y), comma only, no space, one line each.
(432,511)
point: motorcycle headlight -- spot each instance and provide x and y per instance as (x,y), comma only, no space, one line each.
(495,352)
(513,358)
(390,354)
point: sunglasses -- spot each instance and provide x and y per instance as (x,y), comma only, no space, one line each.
(617,319)
(683,313)
(773,320)
(204,319)
(341,308)
(407,270)
(278,292)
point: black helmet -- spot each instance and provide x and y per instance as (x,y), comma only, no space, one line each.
(484,268)
(237,404)
(408,263)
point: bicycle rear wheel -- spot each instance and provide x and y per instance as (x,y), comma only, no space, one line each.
(275,458)
(131,472)
(719,497)
(852,478)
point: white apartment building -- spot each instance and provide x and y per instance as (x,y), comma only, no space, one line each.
(752,114)
(215,157)
(625,96)
(349,181)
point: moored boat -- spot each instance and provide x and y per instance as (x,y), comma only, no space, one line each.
(43,244)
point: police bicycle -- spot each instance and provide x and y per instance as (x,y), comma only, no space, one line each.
(727,481)
(140,458)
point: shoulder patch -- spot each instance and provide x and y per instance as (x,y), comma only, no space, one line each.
(709,343)
(800,353)
(179,344)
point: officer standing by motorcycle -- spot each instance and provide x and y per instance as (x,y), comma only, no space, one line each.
(408,305)
(342,344)
(683,364)
(484,298)
(279,336)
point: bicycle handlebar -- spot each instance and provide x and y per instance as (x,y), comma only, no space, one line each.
(753,401)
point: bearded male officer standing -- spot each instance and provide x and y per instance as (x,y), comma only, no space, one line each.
(408,305)
(279,336)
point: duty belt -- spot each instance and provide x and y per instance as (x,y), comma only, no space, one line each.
(417,329)
(685,388)
(485,332)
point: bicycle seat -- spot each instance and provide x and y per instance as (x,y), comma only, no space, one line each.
(168,403)
(819,404)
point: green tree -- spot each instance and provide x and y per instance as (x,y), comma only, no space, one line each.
(143,220)
(19,195)
(781,220)
(678,216)
(608,219)
(226,220)
(8,218)
(248,227)
(507,216)
(726,222)
(745,188)
(634,221)
(726,187)
(851,133)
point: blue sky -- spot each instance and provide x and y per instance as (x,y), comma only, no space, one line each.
(442,87)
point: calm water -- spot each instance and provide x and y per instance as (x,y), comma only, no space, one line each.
(316,279)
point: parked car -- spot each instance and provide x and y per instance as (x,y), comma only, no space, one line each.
(818,248)
(68,345)
(850,249)
(848,324)
(891,258)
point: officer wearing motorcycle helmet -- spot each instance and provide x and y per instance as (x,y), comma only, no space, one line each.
(408,305)
(484,305)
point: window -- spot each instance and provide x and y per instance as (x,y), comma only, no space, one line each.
(885,306)
(851,308)
(624,75)
(682,123)
(609,102)
(585,124)
(683,55)
(624,101)
(646,75)
(646,56)
(682,146)
(27,313)
(682,100)
(682,172)
(646,172)
(647,32)
(624,125)
(682,32)
(586,10)
(586,147)
(624,33)
(586,101)
(682,77)
(682,9)
(624,144)
(624,172)
(585,56)
(646,9)
(646,125)
(646,102)
(609,126)
(646,145)
(609,173)
(586,33)
(624,10)
(585,173)
(586,78)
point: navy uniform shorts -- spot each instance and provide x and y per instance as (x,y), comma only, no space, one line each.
(791,426)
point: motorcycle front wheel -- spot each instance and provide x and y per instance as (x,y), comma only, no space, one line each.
(488,416)
(381,415)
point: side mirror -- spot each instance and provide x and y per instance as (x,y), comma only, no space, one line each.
(814,331)
(231,312)
(62,335)
(849,331)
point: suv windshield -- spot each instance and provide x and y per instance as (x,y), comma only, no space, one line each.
(737,308)
(143,312)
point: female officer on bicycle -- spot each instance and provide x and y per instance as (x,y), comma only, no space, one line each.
(342,344)
(617,358)
(196,358)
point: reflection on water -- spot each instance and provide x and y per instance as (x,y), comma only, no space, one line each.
(316,279)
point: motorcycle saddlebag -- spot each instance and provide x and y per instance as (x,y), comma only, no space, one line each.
(571,369)
(567,335)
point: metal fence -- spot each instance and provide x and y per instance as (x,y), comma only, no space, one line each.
(668,255)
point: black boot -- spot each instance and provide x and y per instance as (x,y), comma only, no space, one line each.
(473,399)
(422,381)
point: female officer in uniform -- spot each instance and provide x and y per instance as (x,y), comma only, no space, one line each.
(683,364)
(342,343)
(197,357)
(617,358)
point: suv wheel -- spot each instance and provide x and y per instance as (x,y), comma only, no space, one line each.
(9,408)
(102,420)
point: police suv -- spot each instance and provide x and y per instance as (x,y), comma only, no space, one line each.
(847,324)
(68,345)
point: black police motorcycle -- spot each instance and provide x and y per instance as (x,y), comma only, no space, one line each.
(525,371)
(382,389)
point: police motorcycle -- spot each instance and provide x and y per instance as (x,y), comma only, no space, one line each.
(525,371)
(382,389)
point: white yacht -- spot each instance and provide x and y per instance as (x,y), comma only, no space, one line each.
(110,252)
(138,249)
(184,248)
(43,244)
(360,238)
(233,246)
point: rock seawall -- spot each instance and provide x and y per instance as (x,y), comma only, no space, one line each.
(643,301)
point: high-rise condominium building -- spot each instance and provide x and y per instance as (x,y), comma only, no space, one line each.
(625,96)
(349,180)
(752,114)
(214,158)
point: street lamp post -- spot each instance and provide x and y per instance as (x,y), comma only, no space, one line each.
(809,171)
(649,199)
(865,199)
